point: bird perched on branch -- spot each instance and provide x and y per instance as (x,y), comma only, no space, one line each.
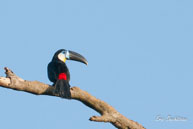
(58,72)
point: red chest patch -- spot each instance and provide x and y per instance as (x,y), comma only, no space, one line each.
(62,76)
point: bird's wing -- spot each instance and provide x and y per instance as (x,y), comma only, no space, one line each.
(52,72)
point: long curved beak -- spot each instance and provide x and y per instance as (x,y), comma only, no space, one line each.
(76,57)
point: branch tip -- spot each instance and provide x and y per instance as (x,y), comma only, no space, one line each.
(100,119)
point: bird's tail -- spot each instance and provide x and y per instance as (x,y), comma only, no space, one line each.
(62,89)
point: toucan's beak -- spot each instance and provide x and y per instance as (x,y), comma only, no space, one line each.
(76,57)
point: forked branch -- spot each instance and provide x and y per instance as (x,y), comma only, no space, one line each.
(108,113)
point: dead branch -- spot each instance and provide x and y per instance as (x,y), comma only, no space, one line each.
(108,113)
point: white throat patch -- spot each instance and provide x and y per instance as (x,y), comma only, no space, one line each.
(62,57)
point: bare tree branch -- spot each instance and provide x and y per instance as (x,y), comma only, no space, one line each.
(108,113)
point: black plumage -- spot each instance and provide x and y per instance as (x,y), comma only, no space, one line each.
(58,72)
(56,67)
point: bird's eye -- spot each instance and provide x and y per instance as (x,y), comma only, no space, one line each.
(63,52)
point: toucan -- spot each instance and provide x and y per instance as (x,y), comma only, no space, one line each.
(59,74)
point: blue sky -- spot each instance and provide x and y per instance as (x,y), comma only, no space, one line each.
(139,54)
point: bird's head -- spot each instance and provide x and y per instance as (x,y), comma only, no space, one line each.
(64,55)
